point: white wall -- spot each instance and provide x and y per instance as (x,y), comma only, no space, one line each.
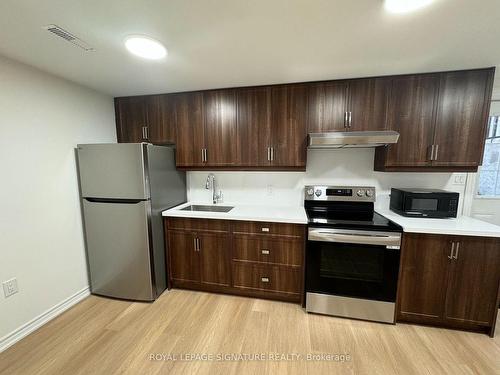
(42,118)
(333,167)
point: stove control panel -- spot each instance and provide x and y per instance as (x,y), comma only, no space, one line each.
(340,193)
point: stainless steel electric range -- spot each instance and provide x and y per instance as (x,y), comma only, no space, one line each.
(352,256)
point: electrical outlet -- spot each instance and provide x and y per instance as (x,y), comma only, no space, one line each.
(10,287)
(459,179)
(269,189)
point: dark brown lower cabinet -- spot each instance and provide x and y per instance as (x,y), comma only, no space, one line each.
(450,281)
(255,259)
(199,257)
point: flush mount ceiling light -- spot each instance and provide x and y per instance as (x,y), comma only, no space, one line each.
(405,6)
(145,47)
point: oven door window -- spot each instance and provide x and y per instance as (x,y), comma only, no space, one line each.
(352,270)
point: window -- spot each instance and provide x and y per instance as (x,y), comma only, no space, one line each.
(489,176)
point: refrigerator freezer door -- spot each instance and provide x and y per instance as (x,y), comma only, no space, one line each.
(118,249)
(113,171)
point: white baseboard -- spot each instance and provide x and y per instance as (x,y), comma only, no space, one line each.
(23,331)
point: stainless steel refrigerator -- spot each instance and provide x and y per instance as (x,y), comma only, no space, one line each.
(124,188)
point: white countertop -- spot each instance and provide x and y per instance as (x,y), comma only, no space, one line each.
(276,214)
(461,226)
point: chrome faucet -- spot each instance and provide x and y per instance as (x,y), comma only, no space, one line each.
(210,184)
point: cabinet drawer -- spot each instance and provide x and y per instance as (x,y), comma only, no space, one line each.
(267,250)
(189,224)
(263,228)
(266,277)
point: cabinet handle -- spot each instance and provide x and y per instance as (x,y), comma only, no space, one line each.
(432,153)
(264,279)
(144,133)
(269,154)
(206,155)
(265,252)
(202,156)
(452,250)
(264,229)
(456,250)
(436,154)
(350,119)
(272,153)
(345,119)
(195,244)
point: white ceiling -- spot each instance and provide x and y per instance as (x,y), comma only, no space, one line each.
(223,43)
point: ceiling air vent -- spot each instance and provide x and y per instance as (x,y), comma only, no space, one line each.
(56,30)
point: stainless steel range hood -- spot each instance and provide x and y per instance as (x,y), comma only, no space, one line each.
(361,139)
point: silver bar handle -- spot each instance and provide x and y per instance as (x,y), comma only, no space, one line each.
(452,250)
(269,154)
(264,279)
(264,229)
(265,251)
(272,153)
(432,152)
(388,239)
(436,154)
(202,156)
(350,118)
(345,119)
(456,250)
(144,133)
(195,244)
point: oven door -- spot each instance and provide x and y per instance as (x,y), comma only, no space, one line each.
(352,263)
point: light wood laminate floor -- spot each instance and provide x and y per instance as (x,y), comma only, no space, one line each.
(105,336)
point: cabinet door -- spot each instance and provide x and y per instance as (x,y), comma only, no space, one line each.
(473,281)
(288,126)
(190,129)
(253,120)
(423,277)
(131,117)
(411,113)
(184,259)
(368,104)
(327,106)
(161,119)
(214,258)
(220,127)
(462,112)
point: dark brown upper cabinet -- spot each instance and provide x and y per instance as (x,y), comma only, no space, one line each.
(145,119)
(327,106)
(367,104)
(441,119)
(288,134)
(354,105)
(220,127)
(190,129)
(461,119)
(131,119)
(253,126)
(411,113)
(160,124)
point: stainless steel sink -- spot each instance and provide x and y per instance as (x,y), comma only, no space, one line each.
(199,207)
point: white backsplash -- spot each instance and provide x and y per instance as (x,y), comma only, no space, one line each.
(329,167)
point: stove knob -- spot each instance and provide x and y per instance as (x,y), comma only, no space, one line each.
(317,192)
(360,193)
(369,193)
(310,191)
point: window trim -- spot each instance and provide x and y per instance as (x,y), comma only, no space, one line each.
(478,179)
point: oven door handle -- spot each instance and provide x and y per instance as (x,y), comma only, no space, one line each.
(390,240)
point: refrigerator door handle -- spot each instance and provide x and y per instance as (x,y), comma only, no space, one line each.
(114,200)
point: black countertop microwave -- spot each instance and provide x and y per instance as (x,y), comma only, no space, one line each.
(424,203)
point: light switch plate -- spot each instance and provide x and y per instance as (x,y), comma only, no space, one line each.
(10,287)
